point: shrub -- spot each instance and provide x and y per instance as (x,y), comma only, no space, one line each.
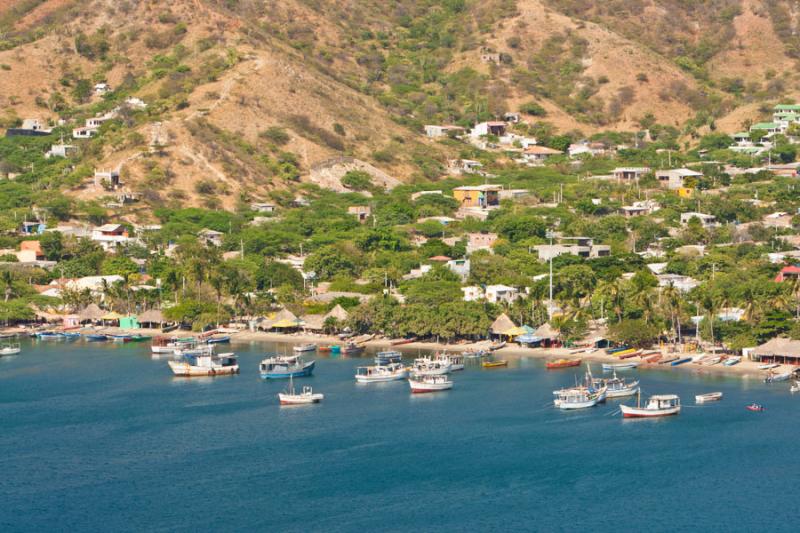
(275,134)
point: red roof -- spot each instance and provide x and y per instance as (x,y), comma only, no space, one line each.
(439,258)
(790,270)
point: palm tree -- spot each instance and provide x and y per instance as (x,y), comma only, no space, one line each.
(8,282)
(672,300)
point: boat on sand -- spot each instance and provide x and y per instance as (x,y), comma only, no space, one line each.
(563,363)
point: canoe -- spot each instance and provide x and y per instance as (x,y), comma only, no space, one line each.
(681,361)
(98,337)
(708,397)
(324,349)
(400,342)
(730,361)
(653,358)
(625,353)
(631,354)
(493,364)
(768,366)
(497,346)
(563,363)
(619,366)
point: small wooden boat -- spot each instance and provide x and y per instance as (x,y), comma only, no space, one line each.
(773,377)
(351,349)
(653,358)
(668,360)
(494,364)
(96,337)
(138,338)
(710,361)
(708,397)
(205,365)
(681,361)
(381,373)
(324,349)
(628,355)
(423,384)
(657,405)
(497,346)
(48,335)
(563,363)
(124,337)
(400,342)
(10,349)
(768,366)
(474,354)
(307,396)
(578,397)
(303,348)
(224,339)
(730,361)
(619,366)
(71,335)
(755,407)
(612,351)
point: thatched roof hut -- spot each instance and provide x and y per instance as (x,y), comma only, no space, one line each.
(91,313)
(338,313)
(501,324)
(313,322)
(546,331)
(152,316)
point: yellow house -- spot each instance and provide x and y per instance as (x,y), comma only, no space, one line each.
(477,195)
(685,192)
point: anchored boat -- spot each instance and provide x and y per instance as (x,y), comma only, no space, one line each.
(456,361)
(10,349)
(282,367)
(205,365)
(303,348)
(429,383)
(708,397)
(578,397)
(292,397)
(389,356)
(619,366)
(381,373)
(425,366)
(657,405)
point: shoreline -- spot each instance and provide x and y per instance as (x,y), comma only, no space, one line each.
(745,369)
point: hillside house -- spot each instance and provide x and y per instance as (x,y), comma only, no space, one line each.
(434,131)
(579,246)
(788,273)
(511,117)
(361,212)
(135,103)
(494,127)
(537,155)
(473,293)
(676,178)
(779,219)
(480,241)
(84,133)
(210,237)
(630,173)
(110,235)
(457,167)
(645,207)
(108,179)
(459,267)
(501,293)
(482,196)
(31,127)
(61,150)
(707,221)
(593,149)
(262,207)
(32,227)
(682,283)
(30,251)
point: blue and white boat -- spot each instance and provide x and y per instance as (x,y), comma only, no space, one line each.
(72,335)
(681,361)
(619,366)
(387,357)
(285,366)
(225,339)
(730,361)
(48,335)
(96,337)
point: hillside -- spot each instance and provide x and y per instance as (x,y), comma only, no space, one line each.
(245,101)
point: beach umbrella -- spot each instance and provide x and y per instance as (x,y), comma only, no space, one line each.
(515,331)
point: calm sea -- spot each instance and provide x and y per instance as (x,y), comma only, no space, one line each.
(100,437)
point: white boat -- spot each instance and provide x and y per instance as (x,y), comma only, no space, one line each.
(10,349)
(619,366)
(730,361)
(795,387)
(456,360)
(192,350)
(381,373)
(768,366)
(708,397)
(302,348)
(657,405)
(389,356)
(205,365)
(285,366)
(578,397)
(425,366)
(774,377)
(710,361)
(292,397)
(429,383)
(618,388)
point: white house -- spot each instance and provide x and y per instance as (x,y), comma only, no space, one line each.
(536,155)
(630,173)
(110,235)
(706,220)
(60,150)
(682,283)
(435,131)
(501,293)
(494,127)
(211,237)
(674,179)
(84,133)
(102,88)
(259,207)
(473,293)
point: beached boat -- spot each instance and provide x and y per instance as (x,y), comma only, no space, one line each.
(497,346)
(708,397)
(494,364)
(578,397)
(71,335)
(381,373)
(388,356)
(138,338)
(612,351)
(205,365)
(425,366)
(283,367)
(619,366)
(400,342)
(730,361)
(96,337)
(653,358)
(429,383)
(755,407)
(456,360)
(303,348)
(657,405)
(681,361)
(10,349)
(292,397)
(48,335)
(121,337)
(563,363)
(774,377)
(712,360)
(668,360)
(768,366)
(218,339)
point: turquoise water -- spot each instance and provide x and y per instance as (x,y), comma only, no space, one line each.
(100,437)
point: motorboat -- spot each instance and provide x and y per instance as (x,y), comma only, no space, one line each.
(768,366)
(381,373)
(657,405)
(351,349)
(795,387)
(303,348)
(775,377)
(282,367)
(168,345)
(71,335)
(669,360)
(456,360)
(629,354)
(291,397)
(48,335)
(205,365)
(733,360)
(618,349)
(756,407)
(711,361)
(474,354)
(563,363)
(425,366)
(429,383)
(389,356)
(494,364)
(219,339)
(191,349)
(708,397)
(496,346)
(10,349)
(619,388)
(681,361)
(619,366)
(578,397)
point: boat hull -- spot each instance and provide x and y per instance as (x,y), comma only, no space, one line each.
(620,366)
(419,387)
(637,412)
(182,369)
(382,378)
(306,371)
(300,399)
(10,351)
(710,397)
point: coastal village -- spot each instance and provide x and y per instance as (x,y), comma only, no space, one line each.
(681,255)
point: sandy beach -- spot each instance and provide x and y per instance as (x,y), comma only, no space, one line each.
(745,369)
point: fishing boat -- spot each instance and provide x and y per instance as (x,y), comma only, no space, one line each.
(657,405)
(730,361)
(192,349)
(282,367)
(48,335)
(381,373)
(768,366)
(425,366)
(138,338)
(681,361)
(10,349)
(292,397)
(303,348)
(123,337)
(619,366)
(351,349)
(96,337)
(496,346)
(669,360)
(429,383)
(653,358)
(71,335)
(494,364)
(712,360)
(612,351)
(224,339)
(774,377)
(708,397)
(630,355)
(456,360)
(578,397)
(324,349)
(389,356)
(795,387)
(400,342)
(618,388)
(474,354)
(205,365)
(563,363)
(755,407)
(165,344)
